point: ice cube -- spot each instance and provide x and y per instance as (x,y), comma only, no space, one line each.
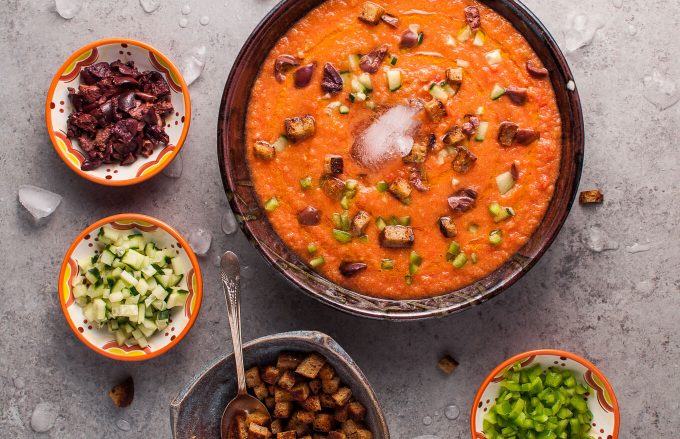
(199,241)
(192,65)
(43,417)
(150,6)
(598,240)
(388,137)
(580,31)
(229,224)
(68,8)
(660,90)
(39,202)
(174,168)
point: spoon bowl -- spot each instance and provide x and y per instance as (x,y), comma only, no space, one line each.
(243,404)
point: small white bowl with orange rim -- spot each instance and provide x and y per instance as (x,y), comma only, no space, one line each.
(58,108)
(600,398)
(181,319)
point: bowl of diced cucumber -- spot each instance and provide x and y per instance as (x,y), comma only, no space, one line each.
(130,287)
(547,394)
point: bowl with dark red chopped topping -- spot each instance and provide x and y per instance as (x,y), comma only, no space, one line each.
(118,111)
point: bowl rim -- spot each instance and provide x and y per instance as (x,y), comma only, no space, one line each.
(383,309)
(538,352)
(194,263)
(187,110)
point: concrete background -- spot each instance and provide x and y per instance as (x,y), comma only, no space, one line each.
(617,308)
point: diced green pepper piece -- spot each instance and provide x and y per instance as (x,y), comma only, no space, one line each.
(271,204)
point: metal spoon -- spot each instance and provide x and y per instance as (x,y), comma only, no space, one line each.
(243,403)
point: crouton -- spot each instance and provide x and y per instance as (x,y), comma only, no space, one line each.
(315,386)
(270,402)
(349,427)
(396,236)
(435,109)
(264,150)
(313,404)
(591,197)
(253,377)
(300,392)
(283,409)
(330,386)
(304,416)
(418,154)
(356,411)
(362,434)
(259,418)
(359,224)
(336,435)
(371,13)
(270,375)
(454,77)
(282,395)
(447,364)
(323,422)
(122,393)
(463,160)
(310,366)
(447,227)
(287,380)
(239,428)
(326,401)
(287,361)
(341,414)
(300,128)
(333,187)
(507,132)
(333,164)
(342,396)
(286,435)
(300,428)
(261,391)
(401,190)
(327,372)
(454,136)
(258,432)
(276,426)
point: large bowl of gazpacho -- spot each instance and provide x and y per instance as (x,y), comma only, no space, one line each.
(401,160)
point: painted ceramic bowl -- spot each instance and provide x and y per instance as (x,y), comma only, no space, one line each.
(245,203)
(181,319)
(600,397)
(58,108)
(197,411)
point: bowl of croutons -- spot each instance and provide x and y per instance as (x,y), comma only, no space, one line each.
(311,386)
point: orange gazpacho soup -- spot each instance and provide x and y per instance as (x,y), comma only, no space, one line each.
(402,148)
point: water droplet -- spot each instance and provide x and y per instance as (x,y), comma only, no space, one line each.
(427,420)
(68,8)
(632,30)
(638,248)
(617,3)
(437,413)
(229,224)
(183,22)
(452,412)
(199,241)
(598,241)
(39,202)
(186,9)
(19,383)
(150,6)
(660,90)
(580,31)
(123,424)
(43,417)
(174,168)
(204,20)
(192,64)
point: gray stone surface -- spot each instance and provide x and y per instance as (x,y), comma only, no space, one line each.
(617,308)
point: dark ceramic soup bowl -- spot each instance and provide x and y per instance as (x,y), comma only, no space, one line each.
(244,201)
(197,411)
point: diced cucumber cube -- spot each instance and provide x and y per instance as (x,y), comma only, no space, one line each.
(177,299)
(107,258)
(133,259)
(128,278)
(178,265)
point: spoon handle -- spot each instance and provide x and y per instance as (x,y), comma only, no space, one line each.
(231,282)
